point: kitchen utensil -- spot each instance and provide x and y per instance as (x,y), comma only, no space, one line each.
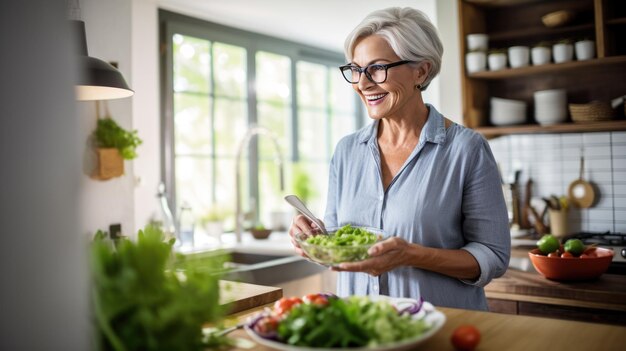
(295,201)
(335,254)
(580,191)
(507,111)
(550,106)
(524,222)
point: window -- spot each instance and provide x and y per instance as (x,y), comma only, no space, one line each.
(220,81)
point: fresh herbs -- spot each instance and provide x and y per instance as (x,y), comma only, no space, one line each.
(141,302)
(110,135)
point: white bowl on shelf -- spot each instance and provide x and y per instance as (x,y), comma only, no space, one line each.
(507,111)
(519,56)
(475,61)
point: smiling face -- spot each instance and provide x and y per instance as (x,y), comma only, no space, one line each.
(397,96)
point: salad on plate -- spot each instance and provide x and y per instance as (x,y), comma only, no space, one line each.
(327,322)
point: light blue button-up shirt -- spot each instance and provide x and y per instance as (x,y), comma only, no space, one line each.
(446,195)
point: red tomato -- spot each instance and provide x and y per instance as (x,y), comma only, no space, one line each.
(266,325)
(465,337)
(317,299)
(285,305)
(567,255)
(554,254)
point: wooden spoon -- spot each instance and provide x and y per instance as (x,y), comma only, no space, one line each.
(580,191)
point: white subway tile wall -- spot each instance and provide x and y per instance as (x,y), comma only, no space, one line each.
(552,161)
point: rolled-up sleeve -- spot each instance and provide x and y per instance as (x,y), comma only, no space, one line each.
(485,223)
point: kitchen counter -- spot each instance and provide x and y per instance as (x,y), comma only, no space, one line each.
(278,243)
(505,332)
(524,291)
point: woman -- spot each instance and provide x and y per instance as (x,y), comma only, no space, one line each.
(431,185)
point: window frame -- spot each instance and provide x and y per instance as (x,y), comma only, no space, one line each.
(171,23)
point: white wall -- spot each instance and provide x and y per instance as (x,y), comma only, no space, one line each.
(108,28)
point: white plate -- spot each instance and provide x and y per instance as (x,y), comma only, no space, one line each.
(428,313)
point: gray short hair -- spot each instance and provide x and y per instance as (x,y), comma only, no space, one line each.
(408,31)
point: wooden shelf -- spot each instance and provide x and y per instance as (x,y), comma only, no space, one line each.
(539,31)
(616,21)
(548,68)
(608,126)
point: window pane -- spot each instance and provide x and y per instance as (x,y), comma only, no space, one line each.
(230,70)
(276,118)
(315,174)
(312,141)
(192,66)
(270,192)
(312,87)
(342,96)
(225,188)
(192,133)
(193,179)
(273,77)
(230,125)
(342,125)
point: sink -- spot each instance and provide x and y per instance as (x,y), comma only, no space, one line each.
(521,264)
(262,269)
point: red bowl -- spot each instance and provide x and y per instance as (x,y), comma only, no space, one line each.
(572,268)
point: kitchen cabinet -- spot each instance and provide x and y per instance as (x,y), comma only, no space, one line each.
(518,22)
(602,300)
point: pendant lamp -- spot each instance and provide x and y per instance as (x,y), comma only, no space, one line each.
(98,80)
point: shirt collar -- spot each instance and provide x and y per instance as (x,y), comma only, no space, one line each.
(434,131)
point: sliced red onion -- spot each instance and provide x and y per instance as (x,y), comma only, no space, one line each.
(413,308)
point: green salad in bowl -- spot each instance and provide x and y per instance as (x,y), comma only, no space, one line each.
(345,244)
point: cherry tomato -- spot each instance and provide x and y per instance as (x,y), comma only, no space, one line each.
(285,304)
(554,254)
(567,255)
(317,299)
(465,337)
(267,324)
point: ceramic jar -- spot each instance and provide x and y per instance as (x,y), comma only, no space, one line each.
(540,55)
(585,50)
(477,42)
(562,52)
(475,61)
(518,56)
(496,61)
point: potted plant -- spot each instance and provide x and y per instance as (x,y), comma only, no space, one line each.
(585,49)
(114,145)
(563,51)
(259,231)
(540,53)
(496,60)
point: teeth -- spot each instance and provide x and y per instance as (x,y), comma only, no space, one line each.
(375,97)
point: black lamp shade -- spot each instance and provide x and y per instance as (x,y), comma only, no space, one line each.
(98,80)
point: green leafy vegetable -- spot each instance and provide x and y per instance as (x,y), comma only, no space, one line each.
(142,303)
(351,322)
(348,244)
(110,135)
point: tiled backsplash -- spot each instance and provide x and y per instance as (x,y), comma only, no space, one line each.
(553,162)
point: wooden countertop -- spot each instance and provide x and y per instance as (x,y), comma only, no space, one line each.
(606,292)
(510,332)
(244,296)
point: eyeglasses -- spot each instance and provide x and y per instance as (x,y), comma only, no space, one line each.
(376,73)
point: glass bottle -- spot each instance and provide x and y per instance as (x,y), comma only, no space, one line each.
(186,225)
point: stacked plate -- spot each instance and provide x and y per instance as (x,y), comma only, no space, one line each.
(507,111)
(550,106)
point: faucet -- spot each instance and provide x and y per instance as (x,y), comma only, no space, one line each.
(252,131)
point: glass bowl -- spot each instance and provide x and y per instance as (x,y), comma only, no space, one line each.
(333,255)
(572,268)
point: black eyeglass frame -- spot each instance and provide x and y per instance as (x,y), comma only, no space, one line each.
(365,69)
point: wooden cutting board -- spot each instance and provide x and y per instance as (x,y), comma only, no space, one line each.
(244,296)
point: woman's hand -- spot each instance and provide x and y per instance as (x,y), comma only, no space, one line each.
(384,256)
(300,224)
